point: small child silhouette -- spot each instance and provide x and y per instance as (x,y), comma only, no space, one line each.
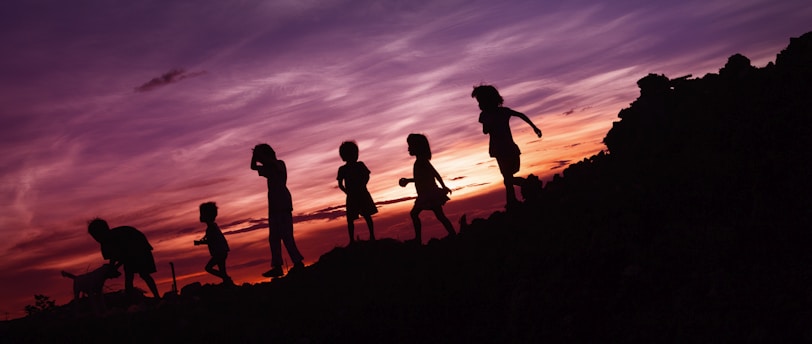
(352,179)
(429,196)
(216,241)
(495,120)
(280,209)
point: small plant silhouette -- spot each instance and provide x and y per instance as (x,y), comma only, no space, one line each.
(42,304)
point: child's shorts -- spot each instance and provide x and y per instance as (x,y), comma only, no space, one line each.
(509,164)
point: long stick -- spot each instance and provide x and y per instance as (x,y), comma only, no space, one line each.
(174,281)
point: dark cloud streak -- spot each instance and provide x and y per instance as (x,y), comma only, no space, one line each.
(560,164)
(170,77)
(329,214)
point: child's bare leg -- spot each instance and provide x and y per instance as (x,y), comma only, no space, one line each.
(418,226)
(128,282)
(438,212)
(368,219)
(510,192)
(150,283)
(220,264)
(210,268)
(351,229)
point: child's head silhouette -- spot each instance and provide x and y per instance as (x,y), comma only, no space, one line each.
(98,229)
(348,151)
(264,152)
(419,146)
(208,211)
(487,96)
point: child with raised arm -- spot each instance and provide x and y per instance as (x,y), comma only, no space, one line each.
(352,179)
(216,241)
(495,120)
(429,196)
(280,209)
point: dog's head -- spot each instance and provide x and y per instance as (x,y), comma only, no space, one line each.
(111,271)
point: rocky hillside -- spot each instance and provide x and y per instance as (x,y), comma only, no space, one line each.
(693,226)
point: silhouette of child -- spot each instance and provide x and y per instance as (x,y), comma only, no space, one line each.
(216,241)
(126,246)
(352,179)
(429,196)
(280,209)
(495,120)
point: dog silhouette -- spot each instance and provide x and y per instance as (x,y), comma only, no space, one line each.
(91,284)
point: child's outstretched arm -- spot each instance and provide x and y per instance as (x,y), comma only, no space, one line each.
(203,241)
(405,181)
(528,121)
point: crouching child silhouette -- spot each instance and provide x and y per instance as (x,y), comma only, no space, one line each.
(280,209)
(129,247)
(352,179)
(429,196)
(216,241)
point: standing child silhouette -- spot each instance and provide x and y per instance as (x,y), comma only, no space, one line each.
(352,179)
(280,209)
(429,196)
(216,241)
(495,120)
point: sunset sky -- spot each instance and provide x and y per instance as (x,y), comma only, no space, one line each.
(138,111)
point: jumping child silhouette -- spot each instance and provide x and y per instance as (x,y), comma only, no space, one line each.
(495,120)
(216,241)
(352,179)
(429,196)
(280,209)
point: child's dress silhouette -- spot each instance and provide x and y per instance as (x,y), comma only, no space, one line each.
(429,195)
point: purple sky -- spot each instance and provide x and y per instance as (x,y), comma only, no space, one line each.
(139,111)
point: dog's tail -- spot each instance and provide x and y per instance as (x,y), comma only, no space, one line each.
(68,274)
